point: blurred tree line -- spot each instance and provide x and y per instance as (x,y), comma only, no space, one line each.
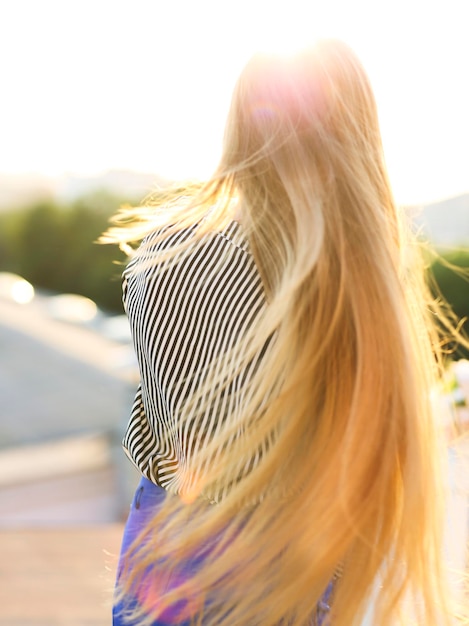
(53,246)
(450,278)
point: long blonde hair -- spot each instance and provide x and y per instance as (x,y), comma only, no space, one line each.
(350,477)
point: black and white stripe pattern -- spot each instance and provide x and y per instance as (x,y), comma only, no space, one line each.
(182,317)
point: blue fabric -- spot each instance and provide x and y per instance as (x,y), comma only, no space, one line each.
(147,499)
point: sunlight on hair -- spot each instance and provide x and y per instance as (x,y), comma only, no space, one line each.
(310,425)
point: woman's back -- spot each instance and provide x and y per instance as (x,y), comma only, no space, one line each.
(182,318)
(337,413)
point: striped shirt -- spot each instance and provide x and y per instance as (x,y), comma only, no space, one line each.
(182,316)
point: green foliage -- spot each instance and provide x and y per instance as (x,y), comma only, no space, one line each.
(54,247)
(450,272)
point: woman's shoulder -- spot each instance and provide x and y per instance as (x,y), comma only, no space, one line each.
(185,250)
(234,234)
(168,238)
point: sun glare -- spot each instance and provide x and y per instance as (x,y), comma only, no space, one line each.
(158,104)
(286,46)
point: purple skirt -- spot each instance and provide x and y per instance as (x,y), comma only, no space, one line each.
(148,498)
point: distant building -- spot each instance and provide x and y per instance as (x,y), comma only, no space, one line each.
(443,223)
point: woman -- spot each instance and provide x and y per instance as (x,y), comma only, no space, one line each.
(283,425)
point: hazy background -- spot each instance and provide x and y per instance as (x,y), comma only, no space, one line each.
(104,101)
(92,85)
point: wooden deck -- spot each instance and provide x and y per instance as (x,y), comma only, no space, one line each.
(58,577)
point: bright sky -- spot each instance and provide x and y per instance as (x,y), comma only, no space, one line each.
(90,85)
